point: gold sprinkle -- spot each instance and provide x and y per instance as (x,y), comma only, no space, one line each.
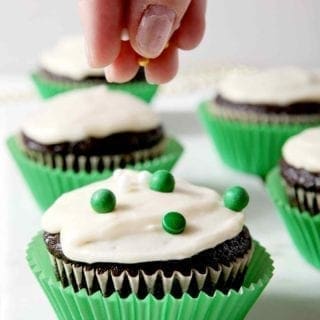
(143,62)
(167,45)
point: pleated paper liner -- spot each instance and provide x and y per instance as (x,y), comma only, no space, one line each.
(71,305)
(94,163)
(249,147)
(304,199)
(93,279)
(303,228)
(48,88)
(47,184)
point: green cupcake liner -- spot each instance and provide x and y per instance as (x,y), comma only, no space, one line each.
(48,88)
(70,305)
(303,228)
(249,147)
(47,184)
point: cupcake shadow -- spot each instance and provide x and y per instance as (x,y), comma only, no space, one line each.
(284,307)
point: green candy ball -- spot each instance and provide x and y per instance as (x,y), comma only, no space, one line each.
(173,222)
(236,198)
(103,201)
(162,181)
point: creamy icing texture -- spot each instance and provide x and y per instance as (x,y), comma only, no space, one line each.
(282,86)
(303,150)
(95,112)
(133,232)
(68,59)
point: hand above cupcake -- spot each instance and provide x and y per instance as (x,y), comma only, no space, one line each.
(155,33)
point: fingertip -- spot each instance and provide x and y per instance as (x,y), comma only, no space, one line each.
(164,68)
(115,74)
(125,67)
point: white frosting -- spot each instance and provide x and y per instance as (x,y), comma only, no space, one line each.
(68,58)
(94,112)
(280,86)
(303,150)
(133,232)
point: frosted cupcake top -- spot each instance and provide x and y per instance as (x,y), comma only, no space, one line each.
(68,59)
(303,150)
(281,87)
(134,225)
(95,112)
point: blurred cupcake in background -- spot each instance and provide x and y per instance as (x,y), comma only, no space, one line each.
(295,189)
(65,67)
(121,249)
(83,135)
(255,112)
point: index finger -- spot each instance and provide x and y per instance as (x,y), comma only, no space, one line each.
(102,25)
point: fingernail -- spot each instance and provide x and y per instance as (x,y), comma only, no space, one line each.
(155,29)
(108,72)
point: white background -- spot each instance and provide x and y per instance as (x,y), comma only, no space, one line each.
(263,32)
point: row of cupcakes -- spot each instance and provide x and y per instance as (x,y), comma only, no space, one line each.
(134,245)
(60,147)
(260,120)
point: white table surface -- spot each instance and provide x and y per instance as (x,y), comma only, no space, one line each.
(294,291)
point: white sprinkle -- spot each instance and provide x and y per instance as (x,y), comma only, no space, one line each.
(144,178)
(125,183)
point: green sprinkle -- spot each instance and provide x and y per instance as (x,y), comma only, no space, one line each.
(236,198)
(162,181)
(173,222)
(103,201)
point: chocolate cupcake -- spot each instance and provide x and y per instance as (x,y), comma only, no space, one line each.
(294,188)
(300,170)
(88,133)
(255,112)
(64,67)
(148,235)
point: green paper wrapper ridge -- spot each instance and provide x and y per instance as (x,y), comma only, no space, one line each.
(49,88)
(47,184)
(249,147)
(70,305)
(303,228)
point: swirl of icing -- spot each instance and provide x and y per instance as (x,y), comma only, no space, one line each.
(303,150)
(95,112)
(133,232)
(281,87)
(68,59)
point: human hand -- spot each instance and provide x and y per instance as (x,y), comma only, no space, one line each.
(156,31)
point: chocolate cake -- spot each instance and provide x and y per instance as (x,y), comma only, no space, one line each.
(131,253)
(93,129)
(300,170)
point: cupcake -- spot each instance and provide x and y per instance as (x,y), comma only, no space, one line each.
(255,112)
(83,135)
(295,189)
(142,246)
(64,67)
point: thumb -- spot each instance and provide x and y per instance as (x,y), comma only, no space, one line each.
(151,24)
